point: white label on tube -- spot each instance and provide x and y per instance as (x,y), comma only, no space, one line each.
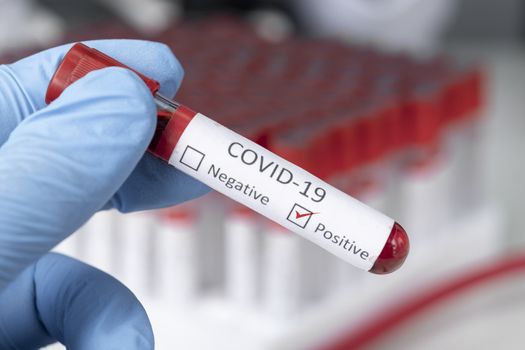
(281,191)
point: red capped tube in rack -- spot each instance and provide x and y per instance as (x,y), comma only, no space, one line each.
(257,178)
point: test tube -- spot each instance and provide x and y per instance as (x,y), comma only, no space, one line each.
(462,89)
(136,242)
(311,263)
(257,178)
(281,273)
(242,256)
(210,240)
(176,260)
(425,186)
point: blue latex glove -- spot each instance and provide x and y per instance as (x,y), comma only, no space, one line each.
(61,163)
(61,299)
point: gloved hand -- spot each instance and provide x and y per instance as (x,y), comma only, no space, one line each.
(61,163)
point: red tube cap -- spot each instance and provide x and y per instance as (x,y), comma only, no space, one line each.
(78,62)
(394,252)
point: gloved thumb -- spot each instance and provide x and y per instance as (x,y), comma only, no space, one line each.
(61,164)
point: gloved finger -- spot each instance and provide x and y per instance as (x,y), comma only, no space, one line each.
(62,299)
(23,84)
(62,163)
(155,184)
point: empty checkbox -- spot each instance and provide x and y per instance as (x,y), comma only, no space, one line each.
(192,158)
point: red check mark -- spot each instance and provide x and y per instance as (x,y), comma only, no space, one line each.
(298,215)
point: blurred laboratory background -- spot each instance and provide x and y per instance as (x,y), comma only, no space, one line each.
(412,106)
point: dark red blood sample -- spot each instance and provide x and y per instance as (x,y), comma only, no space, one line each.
(394,252)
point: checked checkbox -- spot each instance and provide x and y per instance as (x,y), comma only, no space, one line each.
(300,216)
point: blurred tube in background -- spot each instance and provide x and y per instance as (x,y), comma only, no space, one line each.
(281,272)
(136,251)
(24,24)
(210,240)
(147,16)
(176,259)
(243,248)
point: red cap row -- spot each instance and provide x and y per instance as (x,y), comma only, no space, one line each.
(328,107)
